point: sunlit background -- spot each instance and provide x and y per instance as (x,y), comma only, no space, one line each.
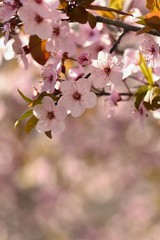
(99,180)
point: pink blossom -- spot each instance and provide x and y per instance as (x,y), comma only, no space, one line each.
(59,37)
(35,23)
(40,6)
(49,76)
(150,50)
(76,96)
(50,116)
(105,69)
(7,11)
(130,60)
(84,58)
(18,49)
(111,102)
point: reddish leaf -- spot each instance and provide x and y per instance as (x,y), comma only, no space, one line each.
(38,50)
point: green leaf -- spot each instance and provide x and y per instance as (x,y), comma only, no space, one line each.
(139,95)
(38,50)
(147,71)
(23,116)
(38,100)
(31,124)
(92,20)
(24,97)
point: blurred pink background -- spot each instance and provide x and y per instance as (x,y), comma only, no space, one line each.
(99,180)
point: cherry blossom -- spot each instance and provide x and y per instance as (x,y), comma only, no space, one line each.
(18,49)
(35,23)
(150,50)
(59,37)
(84,59)
(76,96)
(105,69)
(49,76)
(7,10)
(111,102)
(50,116)
(130,60)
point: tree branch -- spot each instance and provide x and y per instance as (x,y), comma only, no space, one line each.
(125,26)
(118,41)
(122,94)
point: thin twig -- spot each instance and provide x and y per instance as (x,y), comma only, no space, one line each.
(125,26)
(123,94)
(118,41)
(108,9)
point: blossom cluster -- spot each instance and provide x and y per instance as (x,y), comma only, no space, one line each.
(82,58)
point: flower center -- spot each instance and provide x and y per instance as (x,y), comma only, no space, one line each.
(38,1)
(50,115)
(50,78)
(56,31)
(38,19)
(107,70)
(153,51)
(76,96)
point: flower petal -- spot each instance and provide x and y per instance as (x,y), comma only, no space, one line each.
(48,103)
(83,85)
(43,126)
(38,111)
(89,100)
(77,110)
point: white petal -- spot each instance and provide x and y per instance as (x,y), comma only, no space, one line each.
(38,111)
(43,126)
(103,57)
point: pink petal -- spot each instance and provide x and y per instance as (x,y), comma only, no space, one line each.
(48,103)
(89,100)
(68,87)
(60,112)
(43,126)
(77,110)
(83,85)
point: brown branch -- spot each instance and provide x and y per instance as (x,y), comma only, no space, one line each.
(118,41)
(125,26)
(122,94)
(107,9)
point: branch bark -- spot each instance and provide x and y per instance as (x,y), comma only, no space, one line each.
(125,26)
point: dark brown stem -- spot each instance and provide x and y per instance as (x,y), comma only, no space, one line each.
(118,41)
(122,94)
(125,26)
(107,9)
